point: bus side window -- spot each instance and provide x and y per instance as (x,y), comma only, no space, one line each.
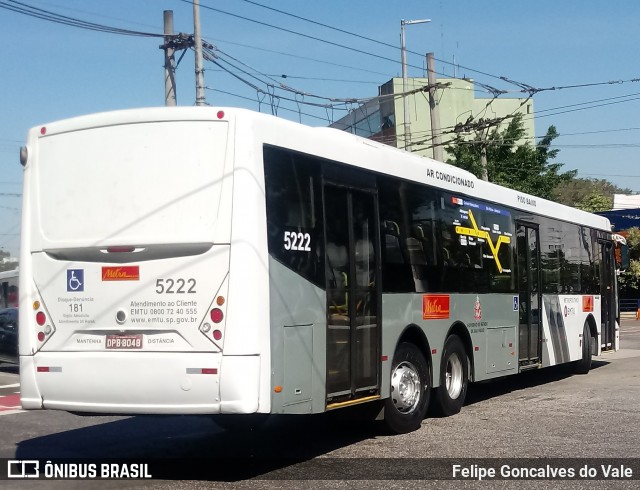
(392,251)
(294,212)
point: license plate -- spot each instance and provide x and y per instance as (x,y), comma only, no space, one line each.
(124,341)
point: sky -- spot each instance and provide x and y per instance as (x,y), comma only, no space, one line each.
(587,50)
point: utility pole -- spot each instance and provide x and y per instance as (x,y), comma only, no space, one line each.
(484,134)
(435,111)
(405,98)
(483,161)
(169,61)
(200,99)
(482,129)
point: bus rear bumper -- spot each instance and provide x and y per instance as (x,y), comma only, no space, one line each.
(138,383)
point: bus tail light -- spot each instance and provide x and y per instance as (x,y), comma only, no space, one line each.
(42,321)
(216,315)
(214,324)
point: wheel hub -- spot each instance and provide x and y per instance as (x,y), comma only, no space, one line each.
(453,376)
(405,387)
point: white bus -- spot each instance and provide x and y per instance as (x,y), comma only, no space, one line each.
(9,288)
(221,261)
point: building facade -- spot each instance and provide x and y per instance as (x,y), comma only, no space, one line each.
(383,118)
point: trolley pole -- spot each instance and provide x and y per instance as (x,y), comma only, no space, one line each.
(169,61)
(200,98)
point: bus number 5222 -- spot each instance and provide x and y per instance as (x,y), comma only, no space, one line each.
(175,286)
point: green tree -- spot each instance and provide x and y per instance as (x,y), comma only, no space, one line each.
(629,280)
(578,190)
(595,202)
(523,167)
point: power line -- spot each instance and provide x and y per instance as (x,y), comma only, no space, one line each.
(353,34)
(23,8)
(376,41)
(315,60)
(308,36)
(31,11)
(322,79)
(525,88)
(595,132)
(218,57)
(615,175)
(252,100)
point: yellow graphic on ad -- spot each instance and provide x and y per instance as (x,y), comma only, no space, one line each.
(475,232)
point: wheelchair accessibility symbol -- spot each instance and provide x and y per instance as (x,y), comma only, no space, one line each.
(75,280)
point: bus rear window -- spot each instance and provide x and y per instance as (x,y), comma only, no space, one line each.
(142,183)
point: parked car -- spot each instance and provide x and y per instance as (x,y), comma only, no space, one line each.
(9,335)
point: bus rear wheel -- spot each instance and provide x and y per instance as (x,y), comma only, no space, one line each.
(408,401)
(454,377)
(588,342)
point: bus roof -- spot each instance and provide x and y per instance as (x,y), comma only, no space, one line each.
(339,146)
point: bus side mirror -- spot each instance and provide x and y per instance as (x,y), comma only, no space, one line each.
(24,156)
(622,256)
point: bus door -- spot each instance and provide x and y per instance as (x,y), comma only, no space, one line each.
(530,298)
(607,296)
(353,319)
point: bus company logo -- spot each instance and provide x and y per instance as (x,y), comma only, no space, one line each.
(435,306)
(477,309)
(126,273)
(587,303)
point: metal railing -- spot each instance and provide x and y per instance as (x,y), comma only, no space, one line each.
(629,305)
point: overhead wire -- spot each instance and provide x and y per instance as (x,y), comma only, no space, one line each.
(220,59)
(290,31)
(26,9)
(366,38)
(31,11)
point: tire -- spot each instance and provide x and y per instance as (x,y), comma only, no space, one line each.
(588,341)
(454,377)
(408,400)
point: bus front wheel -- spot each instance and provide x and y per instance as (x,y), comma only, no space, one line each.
(454,377)
(408,401)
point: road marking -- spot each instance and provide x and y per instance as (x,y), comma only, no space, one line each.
(11,412)
(15,385)
(10,403)
(621,354)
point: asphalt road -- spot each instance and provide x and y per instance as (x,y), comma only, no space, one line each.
(546,415)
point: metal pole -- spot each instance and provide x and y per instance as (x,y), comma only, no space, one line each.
(405,100)
(200,98)
(435,111)
(406,117)
(169,61)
